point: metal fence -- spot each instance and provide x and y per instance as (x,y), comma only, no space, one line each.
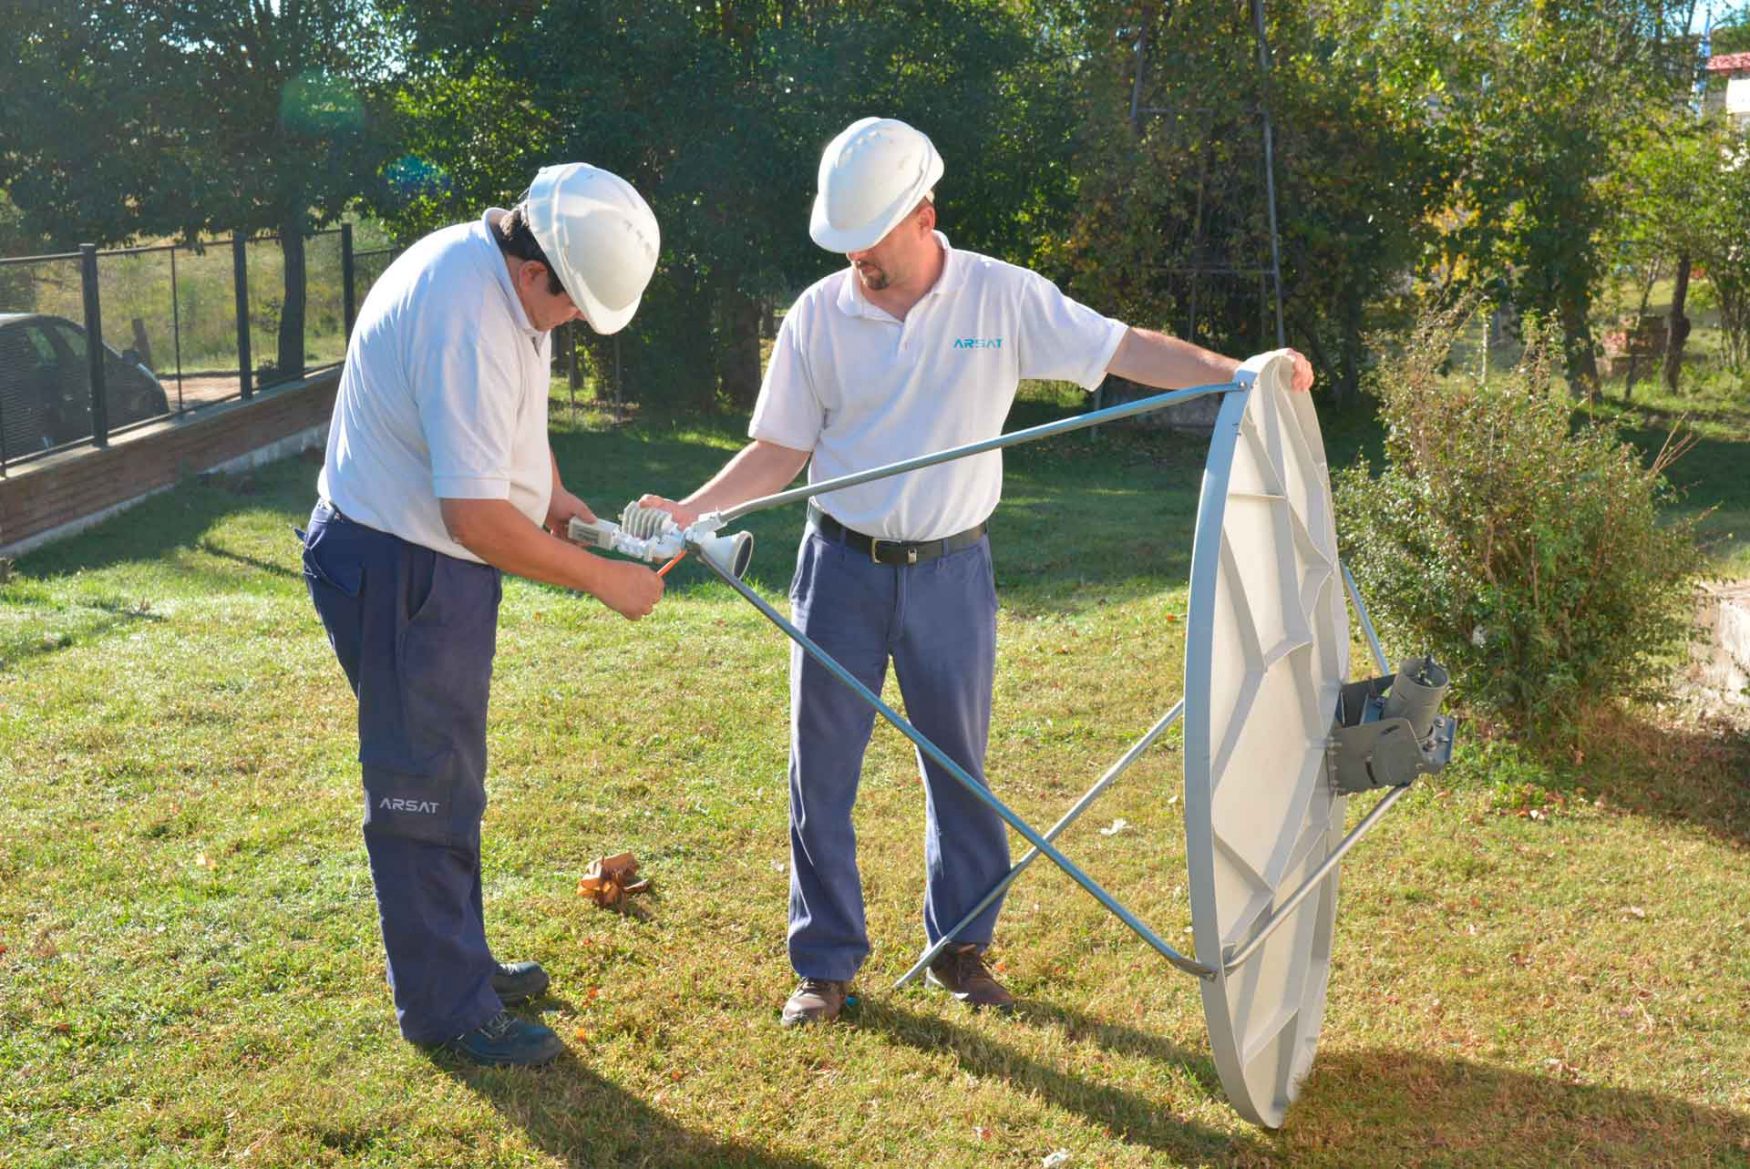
(179,326)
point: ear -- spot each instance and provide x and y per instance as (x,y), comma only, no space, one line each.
(529,273)
(927,217)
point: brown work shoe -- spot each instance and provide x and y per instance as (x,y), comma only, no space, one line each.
(961,971)
(815,1000)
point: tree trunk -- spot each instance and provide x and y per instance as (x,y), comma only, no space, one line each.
(1678,331)
(1582,363)
(1346,387)
(291,341)
(738,370)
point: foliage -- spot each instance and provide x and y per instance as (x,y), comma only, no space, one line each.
(202,116)
(1535,104)
(1527,553)
(1173,226)
(717,114)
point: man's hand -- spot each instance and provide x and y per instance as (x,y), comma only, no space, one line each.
(1303,372)
(562,507)
(629,589)
(683,516)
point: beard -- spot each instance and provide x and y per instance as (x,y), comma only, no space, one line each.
(873,278)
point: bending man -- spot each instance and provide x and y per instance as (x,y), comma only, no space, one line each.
(438,479)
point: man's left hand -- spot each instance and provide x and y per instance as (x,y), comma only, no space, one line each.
(1303,373)
(562,507)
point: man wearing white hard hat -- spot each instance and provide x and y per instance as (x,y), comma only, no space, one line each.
(913,348)
(439,479)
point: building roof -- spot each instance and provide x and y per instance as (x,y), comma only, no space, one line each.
(1728,63)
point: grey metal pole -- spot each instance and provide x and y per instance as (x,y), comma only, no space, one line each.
(94,344)
(1031,434)
(1282,914)
(348,296)
(1366,621)
(1051,834)
(1270,167)
(240,282)
(176,328)
(1189,965)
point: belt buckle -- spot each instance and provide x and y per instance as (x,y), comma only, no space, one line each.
(911,553)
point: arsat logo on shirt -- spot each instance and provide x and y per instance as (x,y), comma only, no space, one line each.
(978,343)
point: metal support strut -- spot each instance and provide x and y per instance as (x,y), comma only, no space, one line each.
(1052,833)
(1189,965)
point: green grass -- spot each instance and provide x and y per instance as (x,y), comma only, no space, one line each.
(1538,962)
(1713,477)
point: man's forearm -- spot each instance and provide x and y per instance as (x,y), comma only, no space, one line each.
(1167,363)
(760,468)
(496,532)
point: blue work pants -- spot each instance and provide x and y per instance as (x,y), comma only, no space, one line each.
(415,631)
(937,622)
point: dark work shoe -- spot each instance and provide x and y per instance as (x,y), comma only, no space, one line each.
(518,982)
(815,1000)
(507,1041)
(961,971)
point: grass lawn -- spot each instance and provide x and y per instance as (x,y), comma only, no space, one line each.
(1537,963)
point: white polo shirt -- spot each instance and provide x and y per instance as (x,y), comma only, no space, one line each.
(859,388)
(443,395)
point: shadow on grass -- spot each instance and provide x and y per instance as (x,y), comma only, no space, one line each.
(1133,1118)
(1696,774)
(572,1114)
(1389,1106)
(1371,1107)
(91,619)
(207,545)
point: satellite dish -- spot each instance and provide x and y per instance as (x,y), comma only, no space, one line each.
(1273,737)
(1267,650)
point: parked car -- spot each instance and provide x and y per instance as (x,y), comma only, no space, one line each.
(45,384)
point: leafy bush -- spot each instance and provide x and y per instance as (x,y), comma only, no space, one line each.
(1524,548)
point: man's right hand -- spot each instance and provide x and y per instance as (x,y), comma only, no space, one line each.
(683,516)
(629,589)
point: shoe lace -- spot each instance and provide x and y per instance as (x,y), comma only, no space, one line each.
(967,964)
(498,1026)
(818,986)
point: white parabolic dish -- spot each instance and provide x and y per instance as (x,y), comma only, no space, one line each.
(1267,649)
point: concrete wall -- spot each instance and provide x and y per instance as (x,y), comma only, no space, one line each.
(67,492)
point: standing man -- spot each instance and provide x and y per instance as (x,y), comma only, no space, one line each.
(438,480)
(913,348)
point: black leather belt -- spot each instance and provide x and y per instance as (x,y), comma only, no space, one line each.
(901,552)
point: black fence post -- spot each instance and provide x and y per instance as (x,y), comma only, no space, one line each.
(240,278)
(348,298)
(94,344)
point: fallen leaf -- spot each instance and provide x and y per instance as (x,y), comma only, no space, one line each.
(1635,912)
(1115,827)
(1061,1157)
(581,1035)
(981,1132)
(611,879)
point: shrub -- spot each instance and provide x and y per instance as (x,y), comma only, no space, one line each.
(1521,546)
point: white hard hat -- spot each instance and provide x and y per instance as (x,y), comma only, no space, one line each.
(601,237)
(871,177)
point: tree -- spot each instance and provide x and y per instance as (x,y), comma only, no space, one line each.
(717,113)
(1537,103)
(124,120)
